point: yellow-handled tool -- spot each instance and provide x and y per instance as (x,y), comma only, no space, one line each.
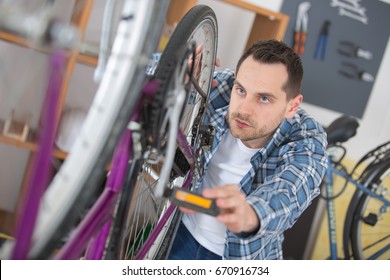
(193,201)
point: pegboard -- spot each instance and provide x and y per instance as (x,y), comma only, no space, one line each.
(367,27)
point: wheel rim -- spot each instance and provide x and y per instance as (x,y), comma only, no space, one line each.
(372,224)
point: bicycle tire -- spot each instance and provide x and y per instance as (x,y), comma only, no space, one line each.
(365,178)
(370,226)
(136,39)
(375,160)
(175,55)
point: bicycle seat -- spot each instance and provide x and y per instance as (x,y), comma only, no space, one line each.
(341,129)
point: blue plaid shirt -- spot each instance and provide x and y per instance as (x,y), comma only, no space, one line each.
(284,179)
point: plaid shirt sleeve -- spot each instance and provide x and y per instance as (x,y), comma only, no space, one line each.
(220,96)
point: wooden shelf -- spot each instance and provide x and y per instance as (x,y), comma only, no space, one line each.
(177,9)
(89,60)
(31,146)
(7,220)
(79,18)
(267,24)
(14,39)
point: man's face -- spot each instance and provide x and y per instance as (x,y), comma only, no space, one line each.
(258,103)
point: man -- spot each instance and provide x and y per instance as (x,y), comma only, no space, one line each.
(267,160)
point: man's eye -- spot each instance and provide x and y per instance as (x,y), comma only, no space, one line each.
(264,99)
(240,91)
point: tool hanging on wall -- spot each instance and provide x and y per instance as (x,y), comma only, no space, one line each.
(352,71)
(322,42)
(351,9)
(352,50)
(300,30)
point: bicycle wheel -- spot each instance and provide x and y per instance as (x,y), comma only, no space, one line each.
(83,171)
(141,238)
(370,230)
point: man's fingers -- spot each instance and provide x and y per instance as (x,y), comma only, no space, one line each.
(199,49)
(227,218)
(186,210)
(227,197)
(231,201)
(217,62)
(221,191)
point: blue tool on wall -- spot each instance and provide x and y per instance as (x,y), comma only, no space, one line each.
(322,42)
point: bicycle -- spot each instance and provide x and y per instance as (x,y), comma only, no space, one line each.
(366,231)
(143,144)
(131,31)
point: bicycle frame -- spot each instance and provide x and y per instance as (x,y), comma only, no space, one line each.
(99,216)
(41,167)
(83,171)
(330,204)
(131,35)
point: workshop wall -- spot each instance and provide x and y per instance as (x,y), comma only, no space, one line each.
(340,82)
(234,24)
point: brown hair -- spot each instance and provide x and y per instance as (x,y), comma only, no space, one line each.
(273,51)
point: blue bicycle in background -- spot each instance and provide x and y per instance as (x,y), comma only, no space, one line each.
(366,232)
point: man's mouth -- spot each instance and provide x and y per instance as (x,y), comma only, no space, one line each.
(241,123)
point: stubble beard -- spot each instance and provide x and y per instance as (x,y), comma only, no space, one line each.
(247,134)
(263,133)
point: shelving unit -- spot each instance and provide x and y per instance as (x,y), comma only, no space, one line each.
(267,24)
(79,18)
(30,145)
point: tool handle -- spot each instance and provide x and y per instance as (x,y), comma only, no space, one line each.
(296,41)
(302,43)
(196,202)
(363,54)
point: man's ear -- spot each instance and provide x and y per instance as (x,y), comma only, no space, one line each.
(293,106)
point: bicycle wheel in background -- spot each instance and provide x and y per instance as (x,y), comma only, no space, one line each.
(370,230)
(83,171)
(199,25)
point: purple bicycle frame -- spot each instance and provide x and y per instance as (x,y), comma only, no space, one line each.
(40,171)
(99,216)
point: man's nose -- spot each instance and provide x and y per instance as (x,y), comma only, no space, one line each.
(245,106)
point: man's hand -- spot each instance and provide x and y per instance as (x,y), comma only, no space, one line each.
(236,213)
(198,58)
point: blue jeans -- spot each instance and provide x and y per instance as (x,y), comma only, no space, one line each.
(185,247)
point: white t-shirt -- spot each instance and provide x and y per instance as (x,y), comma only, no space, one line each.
(228,165)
